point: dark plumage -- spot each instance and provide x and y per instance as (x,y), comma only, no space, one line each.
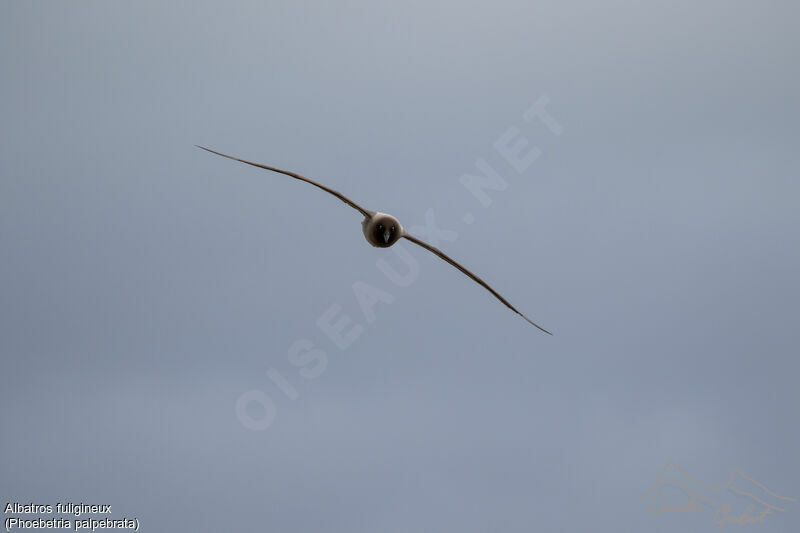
(382,230)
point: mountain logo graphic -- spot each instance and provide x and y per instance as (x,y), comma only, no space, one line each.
(741,500)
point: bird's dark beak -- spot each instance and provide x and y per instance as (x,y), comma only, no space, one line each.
(386,236)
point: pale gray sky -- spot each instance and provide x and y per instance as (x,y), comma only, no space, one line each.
(145,285)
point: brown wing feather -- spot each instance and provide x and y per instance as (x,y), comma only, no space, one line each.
(471,275)
(337,194)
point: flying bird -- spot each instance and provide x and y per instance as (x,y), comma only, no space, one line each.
(383,230)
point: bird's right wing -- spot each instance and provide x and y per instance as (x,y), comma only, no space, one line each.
(294,175)
(471,275)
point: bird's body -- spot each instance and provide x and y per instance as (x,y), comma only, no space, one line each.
(383,230)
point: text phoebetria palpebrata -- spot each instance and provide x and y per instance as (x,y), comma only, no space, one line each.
(383,230)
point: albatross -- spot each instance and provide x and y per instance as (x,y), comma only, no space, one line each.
(383,230)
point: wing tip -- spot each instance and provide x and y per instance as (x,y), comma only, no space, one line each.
(224,155)
(535,324)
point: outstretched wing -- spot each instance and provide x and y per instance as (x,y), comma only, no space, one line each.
(471,275)
(337,194)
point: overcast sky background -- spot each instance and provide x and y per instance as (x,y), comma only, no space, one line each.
(146,285)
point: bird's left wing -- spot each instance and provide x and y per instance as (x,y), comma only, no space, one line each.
(471,275)
(294,175)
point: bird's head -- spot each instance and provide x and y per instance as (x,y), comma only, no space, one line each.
(382,230)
